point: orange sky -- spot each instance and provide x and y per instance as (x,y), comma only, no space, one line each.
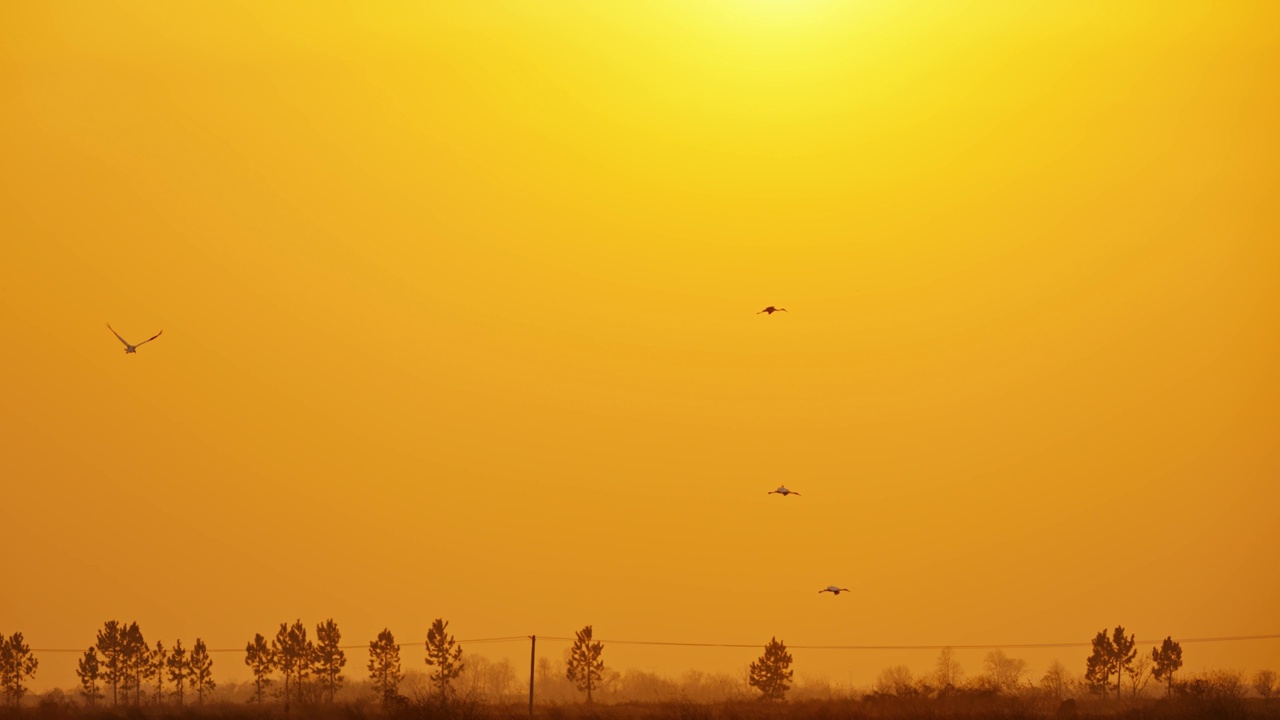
(459,302)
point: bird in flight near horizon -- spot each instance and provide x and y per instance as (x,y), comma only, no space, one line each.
(132,348)
(783,491)
(833,590)
(771,310)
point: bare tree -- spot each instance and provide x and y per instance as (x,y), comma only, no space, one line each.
(384,665)
(1139,674)
(445,655)
(1264,683)
(771,674)
(585,666)
(1003,672)
(1055,679)
(947,671)
(895,680)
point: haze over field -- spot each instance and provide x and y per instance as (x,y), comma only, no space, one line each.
(460,302)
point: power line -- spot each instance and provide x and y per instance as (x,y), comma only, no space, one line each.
(992,646)
(986,646)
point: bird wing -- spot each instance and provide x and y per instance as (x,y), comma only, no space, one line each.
(793,492)
(113,332)
(153,337)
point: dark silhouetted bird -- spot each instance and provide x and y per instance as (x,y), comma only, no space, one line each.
(771,310)
(783,491)
(132,348)
(833,590)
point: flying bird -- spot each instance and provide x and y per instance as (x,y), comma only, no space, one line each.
(833,590)
(783,491)
(132,348)
(771,310)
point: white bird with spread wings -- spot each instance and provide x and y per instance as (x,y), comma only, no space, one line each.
(132,348)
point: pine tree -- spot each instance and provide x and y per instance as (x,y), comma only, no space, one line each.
(384,665)
(200,670)
(293,653)
(156,669)
(329,657)
(284,658)
(111,645)
(585,666)
(771,674)
(87,670)
(17,664)
(1167,659)
(261,660)
(1123,651)
(445,655)
(137,660)
(178,670)
(1098,666)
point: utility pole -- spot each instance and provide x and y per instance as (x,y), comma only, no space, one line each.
(533,644)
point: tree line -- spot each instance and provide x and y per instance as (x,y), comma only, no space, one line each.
(122,661)
(123,664)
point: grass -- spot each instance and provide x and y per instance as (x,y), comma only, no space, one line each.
(868,708)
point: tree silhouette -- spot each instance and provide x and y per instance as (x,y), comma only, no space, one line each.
(1264,683)
(329,658)
(585,666)
(895,680)
(87,670)
(178,663)
(261,660)
(293,653)
(1055,679)
(1003,672)
(947,671)
(1111,654)
(285,659)
(444,654)
(200,670)
(16,665)
(1139,675)
(1168,658)
(156,668)
(384,665)
(137,660)
(1124,650)
(111,645)
(771,674)
(1098,666)
(125,659)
